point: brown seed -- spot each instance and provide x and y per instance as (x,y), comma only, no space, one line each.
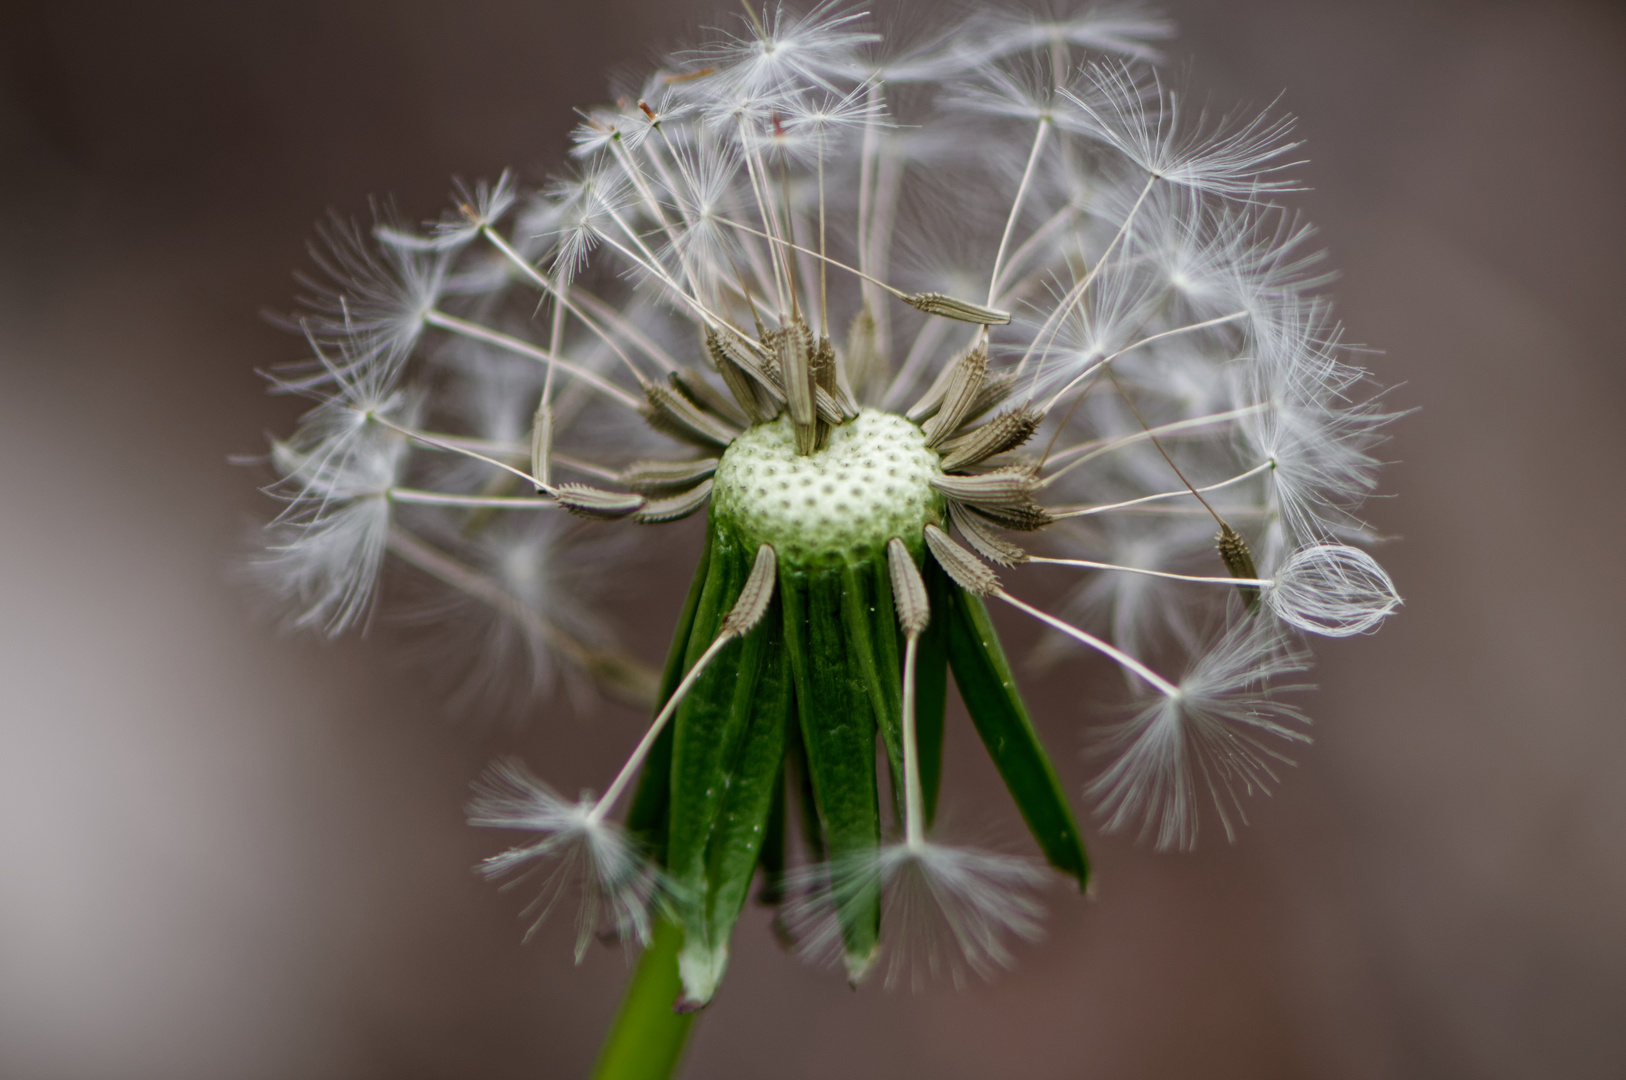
(949,308)
(1011,486)
(1003,433)
(995,389)
(652,477)
(980,535)
(960,565)
(756,360)
(706,396)
(674,507)
(958,396)
(591,502)
(672,414)
(739,383)
(932,399)
(1238,560)
(908,589)
(755,596)
(1029,518)
(794,349)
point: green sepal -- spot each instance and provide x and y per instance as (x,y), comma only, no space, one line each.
(871,621)
(799,782)
(647,817)
(931,684)
(996,708)
(772,859)
(706,735)
(752,782)
(798,791)
(838,739)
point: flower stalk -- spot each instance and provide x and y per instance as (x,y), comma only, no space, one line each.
(647,1037)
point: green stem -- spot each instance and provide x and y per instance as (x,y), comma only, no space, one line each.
(647,1039)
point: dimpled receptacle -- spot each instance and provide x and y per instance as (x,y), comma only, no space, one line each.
(871,482)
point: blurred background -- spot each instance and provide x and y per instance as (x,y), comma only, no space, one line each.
(226,853)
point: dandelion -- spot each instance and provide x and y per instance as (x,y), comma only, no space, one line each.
(898,323)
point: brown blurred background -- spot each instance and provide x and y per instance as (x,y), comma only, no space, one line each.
(228,854)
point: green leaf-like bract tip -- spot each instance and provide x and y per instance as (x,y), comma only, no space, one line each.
(786,717)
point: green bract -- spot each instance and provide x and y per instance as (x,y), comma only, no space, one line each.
(789,713)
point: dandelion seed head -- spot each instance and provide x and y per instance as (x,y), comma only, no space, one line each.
(995,291)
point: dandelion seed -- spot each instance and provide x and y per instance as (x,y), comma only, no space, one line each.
(1218,730)
(473,209)
(574,848)
(370,309)
(788,49)
(1234,158)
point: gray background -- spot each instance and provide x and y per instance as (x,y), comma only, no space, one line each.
(229,854)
